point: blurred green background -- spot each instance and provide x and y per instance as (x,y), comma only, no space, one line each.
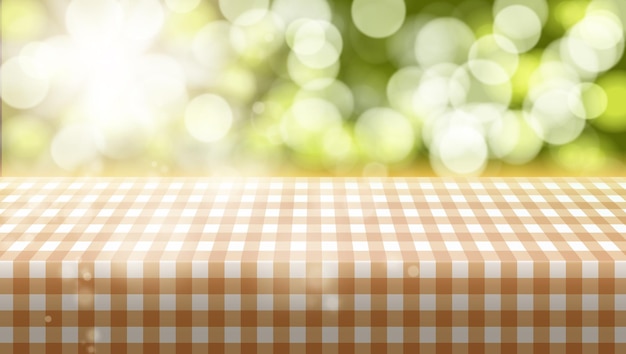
(313,87)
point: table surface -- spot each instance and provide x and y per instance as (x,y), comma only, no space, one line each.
(306,219)
(318,265)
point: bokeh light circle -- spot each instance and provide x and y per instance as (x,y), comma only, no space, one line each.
(238,84)
(182,6)
(378,18)
(257,42)
(601,29)
(588,100)
(306,124)
(37,58)
(162,80)
(405,38)
(337,92)
(308,36)
(467,88)
(122,129)
(290,10)
(318,44)
(551,74)
(338,146)
(23,85)
(438,87)
(244,12)
(483,113)
(488,71)
(208,118)
(73,146)
(211,46)
(512,139)
(384,135)
(143,19)
(552,118)
(492,59)
(539,7)
(595,44)
(580,54)
(94,23)
(461,149)
(311,77)
(401,88)
(443,40)
(520,24)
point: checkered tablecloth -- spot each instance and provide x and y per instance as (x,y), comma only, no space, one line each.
(312,265)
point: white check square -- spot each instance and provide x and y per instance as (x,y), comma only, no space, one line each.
(357,228)
(391,246)
(240,228)
(516,246)
(298,245)
(265,334)
(620,335)
(547,246)
(563,228)
(362,334)
(236,246)
(19,246)
(410,212)
(50,246)
(329,246)
(362,269)
(558,335)
(267,246)
(49,213)
(182,228)
(173,246)
(416,229)
(6,303)
(355,213)
(204,246)
(534,228)
(522,213)
(577,246)
(453,246)
(445,228)
(232,269)
(232,334)
(466,213)
(35,228)
(504,228)
(439,212)
(609,246)
(298,228)
(537,198)
(484,246)
(621,228)
(270,228)
(167,269)
(428,334)
(328,228)
(422,246)
(297,334)
(591,228)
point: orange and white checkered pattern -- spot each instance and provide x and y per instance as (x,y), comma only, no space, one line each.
(344,265)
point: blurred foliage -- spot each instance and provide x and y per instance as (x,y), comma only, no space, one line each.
(303,87)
